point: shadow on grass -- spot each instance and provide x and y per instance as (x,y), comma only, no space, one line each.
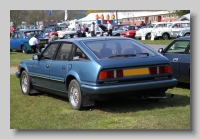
(183,85)
(131,104)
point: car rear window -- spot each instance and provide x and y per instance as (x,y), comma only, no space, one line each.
(109,48)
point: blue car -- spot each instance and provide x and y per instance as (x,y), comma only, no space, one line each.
(22,36)
(97,68)
(178,53)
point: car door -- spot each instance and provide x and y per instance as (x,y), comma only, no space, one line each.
(185,66)
(40,71)
(59,67)
(174,52)
(15,42)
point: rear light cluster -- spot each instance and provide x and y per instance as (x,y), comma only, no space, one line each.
(127,33)
(106,74)
(160,69)
(110,74)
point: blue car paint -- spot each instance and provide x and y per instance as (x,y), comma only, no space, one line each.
(58,74)
(17,43)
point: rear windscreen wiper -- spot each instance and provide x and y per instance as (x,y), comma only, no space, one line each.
(126,55)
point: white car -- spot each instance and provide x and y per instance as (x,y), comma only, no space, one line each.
(146,32)
(174,30)
(61,34)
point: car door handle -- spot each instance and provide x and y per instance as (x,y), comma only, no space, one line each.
(175,59)
(47,66)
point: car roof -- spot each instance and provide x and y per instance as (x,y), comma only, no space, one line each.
(93,38)
(25,30)
(183,38)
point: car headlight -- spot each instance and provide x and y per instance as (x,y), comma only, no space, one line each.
(181,33)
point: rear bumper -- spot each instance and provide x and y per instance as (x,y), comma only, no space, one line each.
(129,87)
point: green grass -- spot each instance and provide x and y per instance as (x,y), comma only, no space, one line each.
(16,57)
(53,112)
(164,42)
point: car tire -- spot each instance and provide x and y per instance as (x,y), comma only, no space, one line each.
(25,83)
(165,36)
(148,36)
(187,34)
(74,95)
(23,49)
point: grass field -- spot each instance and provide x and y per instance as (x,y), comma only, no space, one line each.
(52,112)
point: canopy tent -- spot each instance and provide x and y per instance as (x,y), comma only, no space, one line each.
(184,17)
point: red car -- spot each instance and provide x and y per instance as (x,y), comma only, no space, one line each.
(130,33)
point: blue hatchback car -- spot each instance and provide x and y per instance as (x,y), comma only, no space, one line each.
(22,36)
(97,68)
(178,53)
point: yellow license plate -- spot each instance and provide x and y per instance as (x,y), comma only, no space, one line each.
(41,42)
(138,71)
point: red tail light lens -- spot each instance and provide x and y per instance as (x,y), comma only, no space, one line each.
(110,74)
(160,69)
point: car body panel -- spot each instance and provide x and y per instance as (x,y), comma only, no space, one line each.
(50,72)
(180,60)
(19,38)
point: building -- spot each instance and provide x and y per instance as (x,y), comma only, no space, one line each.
(146,17)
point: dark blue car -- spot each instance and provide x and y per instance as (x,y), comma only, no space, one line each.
(24,35)
(97,68)
(178,53)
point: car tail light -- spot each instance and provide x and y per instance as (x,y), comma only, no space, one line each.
(127,33)
(110,74)
(160,69)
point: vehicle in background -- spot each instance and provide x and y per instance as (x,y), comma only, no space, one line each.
(172,30)
(178,53)
(24,35)
(146,32)
(130,33)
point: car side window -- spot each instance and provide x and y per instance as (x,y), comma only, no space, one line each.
(64,51)
(15,35)
(50,51)
(178,47)
(78,54)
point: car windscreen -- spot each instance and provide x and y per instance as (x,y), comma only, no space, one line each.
(120,48)
(29,34)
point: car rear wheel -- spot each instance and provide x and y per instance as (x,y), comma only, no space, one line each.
(25,83)
(187,34)
(23,49)
(74,95)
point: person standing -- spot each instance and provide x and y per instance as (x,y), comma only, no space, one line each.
(109,29)
(12,31)
(53,37)
(33,42)
(92,29)
(142,24)
(83,30)
(78,30)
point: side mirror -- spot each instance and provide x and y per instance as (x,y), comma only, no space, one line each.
(160,50)
(36,56)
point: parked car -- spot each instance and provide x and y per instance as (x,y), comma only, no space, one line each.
(53,29)
(178,53)
(146,32)
(24,35)
(102,27)
(173,30)
(97,68)
(121,29)
(114,27)
(130,33)
(66,33)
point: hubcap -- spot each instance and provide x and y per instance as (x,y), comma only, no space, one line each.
(74,96)
(24,84)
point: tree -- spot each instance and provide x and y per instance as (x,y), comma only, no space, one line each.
(181,12)
(16,16)
(34,16)
(95,11)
